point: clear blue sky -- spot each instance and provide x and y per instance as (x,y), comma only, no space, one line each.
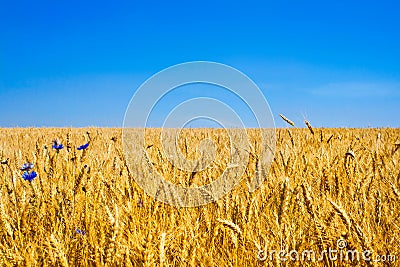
(78,63)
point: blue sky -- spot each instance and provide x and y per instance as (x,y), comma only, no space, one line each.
(78,63)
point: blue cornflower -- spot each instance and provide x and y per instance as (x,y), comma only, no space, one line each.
(26,167)
(29,176)
(83,146)
(80,232)
(57,145)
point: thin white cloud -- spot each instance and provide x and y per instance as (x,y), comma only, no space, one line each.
(358,89)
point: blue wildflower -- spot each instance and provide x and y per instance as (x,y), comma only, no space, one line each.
(80,232)
(26,167)
(29,176)
(57,145)
(83,146)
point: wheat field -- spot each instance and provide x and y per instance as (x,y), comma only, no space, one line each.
(85,209)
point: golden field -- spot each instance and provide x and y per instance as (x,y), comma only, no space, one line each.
(84,207)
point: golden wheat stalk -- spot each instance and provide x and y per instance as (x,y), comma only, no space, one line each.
(284,197)
(342,214)
(291,137)
(162,249)
(287,120)
(59,250)
(231,225)
(350,153)
(309,126)
(396,146)
(308,201)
